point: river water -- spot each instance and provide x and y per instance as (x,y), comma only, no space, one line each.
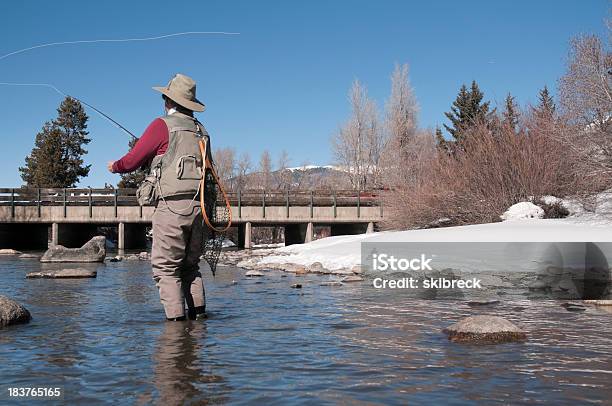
(104,340)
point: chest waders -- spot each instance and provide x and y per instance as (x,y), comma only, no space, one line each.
(186,171)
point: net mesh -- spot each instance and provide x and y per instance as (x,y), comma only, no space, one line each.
(218,215)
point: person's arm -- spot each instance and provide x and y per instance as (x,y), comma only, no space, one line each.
(154,137)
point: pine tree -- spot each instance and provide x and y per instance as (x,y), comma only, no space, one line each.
(57,157)
(132,179)
(510,115)
(546,105)
(467,109)
(441,142)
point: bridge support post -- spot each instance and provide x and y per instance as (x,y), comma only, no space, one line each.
(370,228)
(245,236)
(54,234)
(121,237)
(309,233)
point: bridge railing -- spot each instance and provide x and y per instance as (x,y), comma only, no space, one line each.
(127,197)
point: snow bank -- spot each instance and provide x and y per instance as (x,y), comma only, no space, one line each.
(522,211)
(345,251)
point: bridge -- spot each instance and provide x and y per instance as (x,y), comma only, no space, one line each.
(33,218)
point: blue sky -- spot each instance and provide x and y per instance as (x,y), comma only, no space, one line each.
(282,83)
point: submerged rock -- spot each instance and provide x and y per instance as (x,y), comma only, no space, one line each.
(352,278)
(132,257)
(484,329)
(12,312)
(573,307)
(297,286)
(27,256)
(331,283)
(118,258)
(8,251)
(93,251)
(477,303)
(342,271)
(63,274)
(144,256)
(253,273)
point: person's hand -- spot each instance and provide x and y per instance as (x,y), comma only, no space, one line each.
(109,165)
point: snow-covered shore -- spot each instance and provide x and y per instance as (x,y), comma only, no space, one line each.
(344,252)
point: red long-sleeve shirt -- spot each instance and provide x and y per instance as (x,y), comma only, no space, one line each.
(154,141)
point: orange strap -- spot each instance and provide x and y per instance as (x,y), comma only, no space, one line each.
(208,165)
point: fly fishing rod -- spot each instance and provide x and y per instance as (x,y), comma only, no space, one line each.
(64,94)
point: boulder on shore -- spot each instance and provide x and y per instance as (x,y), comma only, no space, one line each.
(63,274)
(93,251)
(484,329)
(12,312)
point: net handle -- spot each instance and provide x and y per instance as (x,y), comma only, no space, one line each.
(208,165)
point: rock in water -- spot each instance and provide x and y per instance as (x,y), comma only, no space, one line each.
(476,303)
(12,312)
(93,251)
(573,307)
(8,251)
(484,329)
(331,283)
(26,256)
(342,271)
(352,278)
(63,274)
(253,273)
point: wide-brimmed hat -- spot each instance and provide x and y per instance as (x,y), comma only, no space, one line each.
(182,90)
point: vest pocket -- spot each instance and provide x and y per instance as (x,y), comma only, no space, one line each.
(189,167)
(146,194)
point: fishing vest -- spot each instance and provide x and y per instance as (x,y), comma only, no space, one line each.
(180,170)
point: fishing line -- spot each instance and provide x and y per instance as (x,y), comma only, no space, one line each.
(79,100)
(92,41)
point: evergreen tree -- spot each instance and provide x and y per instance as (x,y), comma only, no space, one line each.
(57,157)
(441,142)
(467,110)
(510,115)
(133,179)
(546,105)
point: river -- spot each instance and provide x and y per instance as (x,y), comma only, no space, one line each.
(104,340)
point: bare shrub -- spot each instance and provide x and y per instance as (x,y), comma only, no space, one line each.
(494,168)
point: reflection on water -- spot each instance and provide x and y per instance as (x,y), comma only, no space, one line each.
(105,339)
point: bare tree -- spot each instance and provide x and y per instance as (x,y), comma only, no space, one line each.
(402,108)
(242,168)
(265,169)
(284,175)
(357,145)
(586,102)
(586,87)
(401,147)
(225,163)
